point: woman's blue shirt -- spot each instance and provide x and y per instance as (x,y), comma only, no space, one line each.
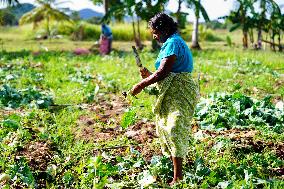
(175,45)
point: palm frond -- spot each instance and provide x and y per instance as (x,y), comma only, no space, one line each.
(41,13)
(35,16)
(234,27)
(204,13)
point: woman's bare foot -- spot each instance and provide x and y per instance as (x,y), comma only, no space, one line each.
(174,181)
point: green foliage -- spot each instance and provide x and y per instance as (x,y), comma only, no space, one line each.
(215,24)
(11,97)
(205,34)
(10,16)
(7,18)
(229,41)
(128,118)
(161,166)
(21,173)
(208,35)
(227,111)
(45,12)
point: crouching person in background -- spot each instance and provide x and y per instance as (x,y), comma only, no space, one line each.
(105,40)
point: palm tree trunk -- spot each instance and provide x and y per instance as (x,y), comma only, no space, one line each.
(259,39)
(105,2)
(140,45)
(245,39)
(47,27)
(194,42)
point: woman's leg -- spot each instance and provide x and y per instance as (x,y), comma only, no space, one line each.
(177,162)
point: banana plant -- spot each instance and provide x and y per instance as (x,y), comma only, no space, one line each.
(45,12)
(240,18)
(276,27)
(266,7)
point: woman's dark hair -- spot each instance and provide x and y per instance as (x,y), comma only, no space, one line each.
(163,23)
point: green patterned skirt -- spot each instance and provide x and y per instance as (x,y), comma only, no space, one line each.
(174,108)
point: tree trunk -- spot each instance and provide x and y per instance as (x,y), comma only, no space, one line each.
(245,39)
(105,2)
(194,42)
(273,42)
(178,13)
(259,39)
(133,28)
(136,39)
(139,43)
(279,42)
(47,27)
(251,36)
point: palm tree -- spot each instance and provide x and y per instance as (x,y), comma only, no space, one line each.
(45,12)
(9,2)
(198,7)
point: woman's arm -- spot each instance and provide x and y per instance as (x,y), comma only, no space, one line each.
(144,72)
(163,71)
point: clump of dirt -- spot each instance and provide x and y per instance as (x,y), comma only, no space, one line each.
(7,112)
(251,145)
(85,128)
(109,110)
(142,132)
(279,83)
(86,120)
(107,134)
(89,130)
(38,155)
(148,151)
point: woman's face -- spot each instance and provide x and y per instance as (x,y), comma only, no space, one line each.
(157,35)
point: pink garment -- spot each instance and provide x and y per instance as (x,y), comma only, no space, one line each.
(105,45)
(81,51)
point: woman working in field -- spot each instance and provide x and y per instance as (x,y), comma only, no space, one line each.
(177,91)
